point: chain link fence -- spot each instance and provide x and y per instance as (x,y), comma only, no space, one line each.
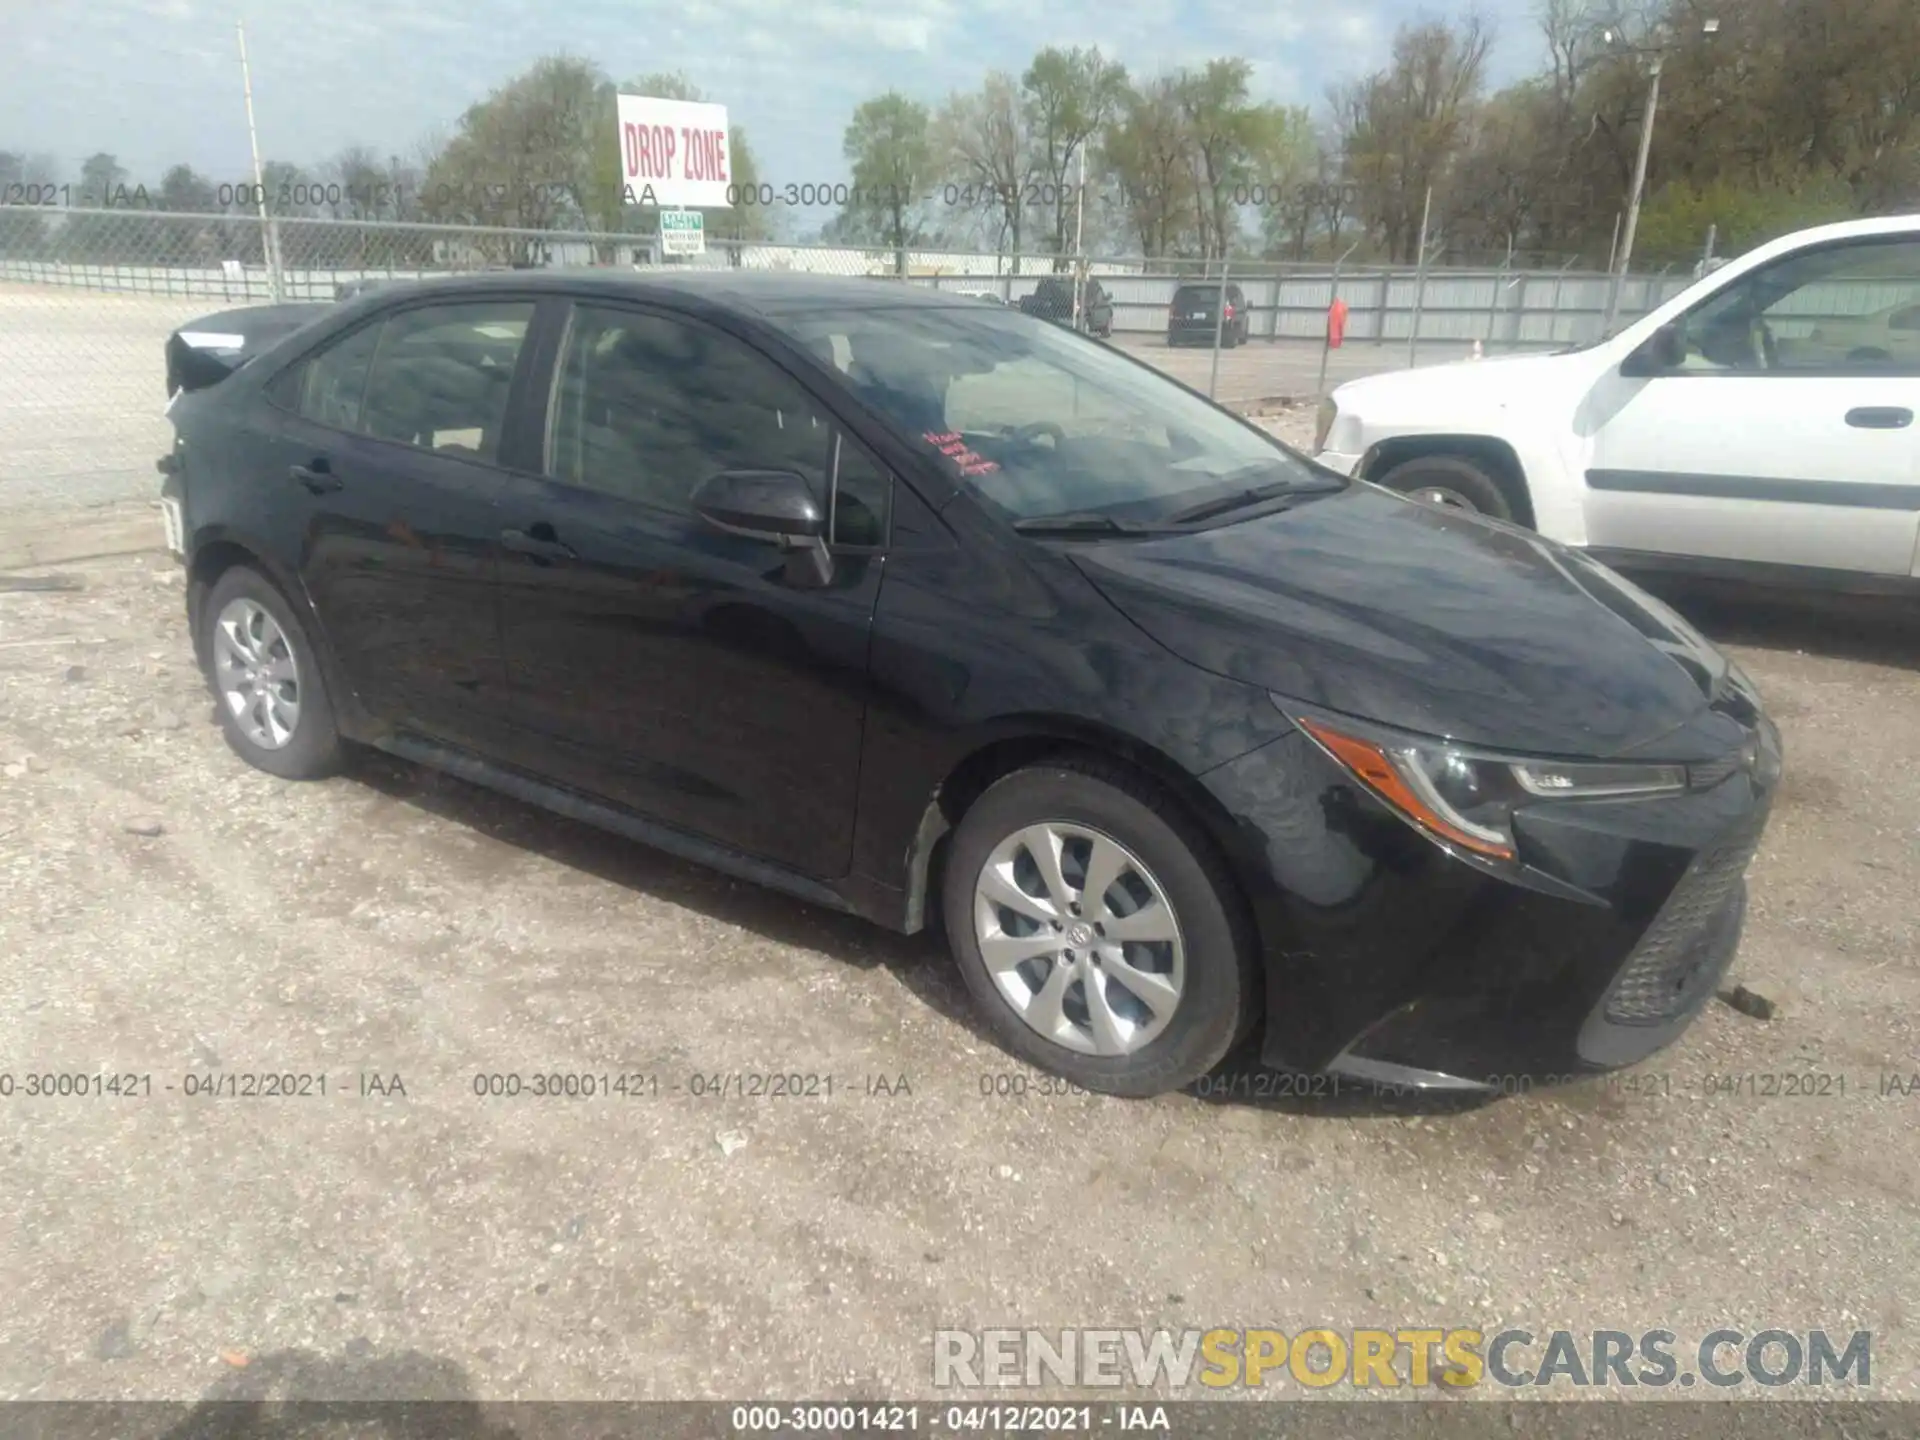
(88,297)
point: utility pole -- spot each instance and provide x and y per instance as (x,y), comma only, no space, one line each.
(1633,199)
(269,242)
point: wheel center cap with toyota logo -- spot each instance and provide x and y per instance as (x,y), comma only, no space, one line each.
(1080,933)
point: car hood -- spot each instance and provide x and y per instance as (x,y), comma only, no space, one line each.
(1414,616)
(1497,383)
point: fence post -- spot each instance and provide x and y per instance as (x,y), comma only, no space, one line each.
(1559,291)
(1326,338)
(1219,324)
(1420,282)
(1499,293)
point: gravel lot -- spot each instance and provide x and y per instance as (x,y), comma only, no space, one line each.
(169,912)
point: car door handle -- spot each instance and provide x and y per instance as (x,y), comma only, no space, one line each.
(1880,417)
(317,477)
(538,547)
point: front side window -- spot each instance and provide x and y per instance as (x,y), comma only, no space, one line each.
(862,498)
(646,407)
(1845,309)
(1036,422)
(441,374)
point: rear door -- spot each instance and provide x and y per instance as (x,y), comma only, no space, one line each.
(1787,436)
(694,676)
(391,448)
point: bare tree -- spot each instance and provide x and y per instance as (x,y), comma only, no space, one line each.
(981,143)
(1070,95)
(1405,126)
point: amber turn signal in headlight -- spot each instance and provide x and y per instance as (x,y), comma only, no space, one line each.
(1467,798)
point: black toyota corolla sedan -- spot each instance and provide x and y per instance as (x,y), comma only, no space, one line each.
(933,612)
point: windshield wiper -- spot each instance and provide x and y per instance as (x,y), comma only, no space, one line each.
(1083,522)
(1238,500)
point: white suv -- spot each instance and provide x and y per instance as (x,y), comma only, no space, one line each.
(1760,424)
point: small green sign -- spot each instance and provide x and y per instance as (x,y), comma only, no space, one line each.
(683,232)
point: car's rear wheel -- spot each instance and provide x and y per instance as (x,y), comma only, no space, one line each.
(1451,482)
(1097,930)
(266,681)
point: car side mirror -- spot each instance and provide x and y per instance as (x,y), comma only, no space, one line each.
(775,506)
(772,505)
(1660,353)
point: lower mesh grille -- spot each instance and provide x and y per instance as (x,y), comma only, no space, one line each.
(1664,974)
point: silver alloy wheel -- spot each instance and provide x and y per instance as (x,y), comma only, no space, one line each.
(256,673)
(1445,498)
(1080,938)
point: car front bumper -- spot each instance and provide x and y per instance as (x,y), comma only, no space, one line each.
(1389,959)
(1337,460)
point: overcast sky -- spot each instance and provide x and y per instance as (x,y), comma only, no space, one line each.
(157,82)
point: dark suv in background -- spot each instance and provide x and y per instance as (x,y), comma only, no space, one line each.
(1052,300)
(1195,312)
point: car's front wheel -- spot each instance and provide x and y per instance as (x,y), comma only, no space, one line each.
(1452,482)
(266,680)
(1097,929)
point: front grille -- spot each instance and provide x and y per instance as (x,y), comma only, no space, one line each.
(1663,975)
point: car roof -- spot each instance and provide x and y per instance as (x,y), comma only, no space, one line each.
(1889,225)
(758,292)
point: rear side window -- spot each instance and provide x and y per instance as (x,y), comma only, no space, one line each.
(329,387)
(441,373)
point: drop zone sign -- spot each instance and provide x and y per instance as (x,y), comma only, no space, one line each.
(682,232)
(674,153)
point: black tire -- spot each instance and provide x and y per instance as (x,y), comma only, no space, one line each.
(1218,1003)
(1455,474)
(313,749)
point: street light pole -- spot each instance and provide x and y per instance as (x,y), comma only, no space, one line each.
(269,239)
(1633,200)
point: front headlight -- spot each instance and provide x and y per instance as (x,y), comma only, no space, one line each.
(1323,423)
(1467,797)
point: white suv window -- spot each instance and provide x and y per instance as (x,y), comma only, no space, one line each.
(1841,309)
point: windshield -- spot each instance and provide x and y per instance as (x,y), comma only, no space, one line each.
(1036,421)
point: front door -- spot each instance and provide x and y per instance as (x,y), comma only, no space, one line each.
(393,449)
(690,675)
(1787,435)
